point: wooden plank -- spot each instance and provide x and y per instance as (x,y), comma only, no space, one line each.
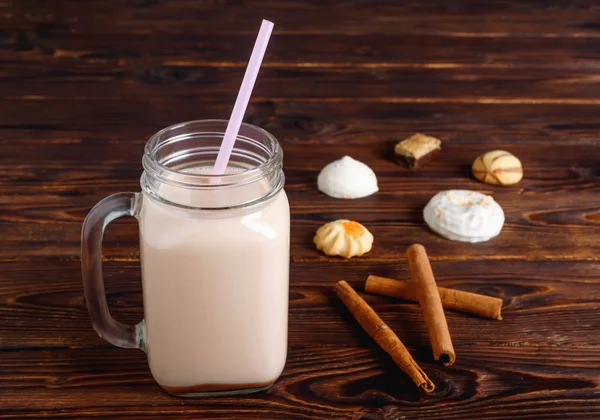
(541,358)
(319,383)
(88,54)
(453,85)
(118,128)
(122,158)
(543,221)
(546,303)
(499,18)
(133,121)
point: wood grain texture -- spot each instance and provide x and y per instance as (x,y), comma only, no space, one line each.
(521,361)
(106,123)
(539,204)
(35,294)
(84,84)
(69,50)
(499,18)
(355,382)
(147,81)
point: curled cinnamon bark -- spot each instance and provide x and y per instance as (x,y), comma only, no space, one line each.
(456,300)
(382,334)
(431,304)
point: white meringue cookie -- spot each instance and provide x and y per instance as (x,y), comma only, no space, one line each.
(463,215)
(347,178)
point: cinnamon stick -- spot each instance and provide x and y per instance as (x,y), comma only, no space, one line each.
(456,300)
(431,304)
(382,334)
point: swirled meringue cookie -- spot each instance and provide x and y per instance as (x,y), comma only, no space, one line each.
(347,178)
(463,215)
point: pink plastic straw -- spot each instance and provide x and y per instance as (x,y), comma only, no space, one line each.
(243,98)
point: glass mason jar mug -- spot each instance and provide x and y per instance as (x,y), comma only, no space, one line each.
(214,253)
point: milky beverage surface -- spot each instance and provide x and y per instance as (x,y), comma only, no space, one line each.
(215,286)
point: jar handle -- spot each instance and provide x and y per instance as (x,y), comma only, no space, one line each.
(113,331)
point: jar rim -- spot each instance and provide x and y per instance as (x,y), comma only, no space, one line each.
(255,146)
(177,177)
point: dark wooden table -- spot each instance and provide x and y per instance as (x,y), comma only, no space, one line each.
(85,83)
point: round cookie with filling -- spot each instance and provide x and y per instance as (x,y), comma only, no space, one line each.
(345,238)
(463,215)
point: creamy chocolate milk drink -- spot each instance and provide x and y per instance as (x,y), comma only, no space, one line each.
(217,287)
(214,253)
